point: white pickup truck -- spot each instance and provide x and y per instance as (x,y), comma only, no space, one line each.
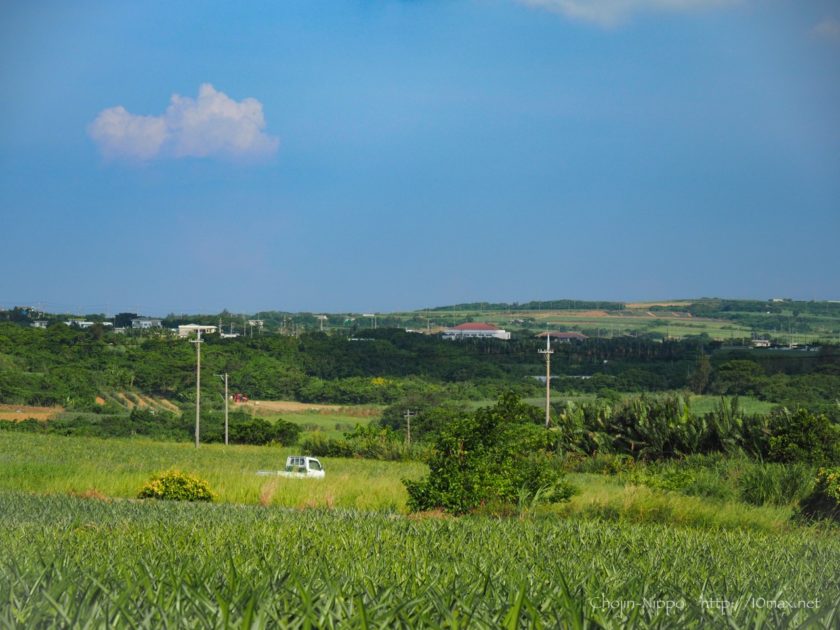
(298,467)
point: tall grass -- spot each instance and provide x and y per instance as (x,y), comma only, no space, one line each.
(120,467)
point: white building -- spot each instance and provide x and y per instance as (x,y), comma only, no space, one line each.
(563,337)
(475,330)
(145,323)
(79,323)
(185,330)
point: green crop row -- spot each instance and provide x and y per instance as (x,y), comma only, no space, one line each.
(72,562)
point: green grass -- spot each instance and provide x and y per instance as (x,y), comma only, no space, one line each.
(50,464)
(330,425)
(703,404)
(608,498)
(70,562)
(120,467)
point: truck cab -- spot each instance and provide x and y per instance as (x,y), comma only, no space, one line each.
(303,466)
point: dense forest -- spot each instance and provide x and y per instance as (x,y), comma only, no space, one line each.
(70,367)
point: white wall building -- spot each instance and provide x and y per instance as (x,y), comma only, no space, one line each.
(475,330)
(185,330)
(145,323)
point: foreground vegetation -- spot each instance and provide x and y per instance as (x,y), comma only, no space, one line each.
(72,561)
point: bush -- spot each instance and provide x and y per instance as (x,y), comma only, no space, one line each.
(824,501)
(490,457)
(602,464)
(244,429)
(802,436)
(174,485)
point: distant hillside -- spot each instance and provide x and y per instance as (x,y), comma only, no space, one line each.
(549,305)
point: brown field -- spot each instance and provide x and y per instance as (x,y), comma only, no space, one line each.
(23,412)
(270,407)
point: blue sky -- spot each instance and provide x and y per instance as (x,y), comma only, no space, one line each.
(373,155)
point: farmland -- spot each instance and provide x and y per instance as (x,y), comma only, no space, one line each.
(685,466)
(72,560)
(118,468)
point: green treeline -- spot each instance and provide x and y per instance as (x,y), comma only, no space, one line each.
(70,367)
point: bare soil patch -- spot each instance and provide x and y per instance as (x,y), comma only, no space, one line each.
(262,407)
(23,412)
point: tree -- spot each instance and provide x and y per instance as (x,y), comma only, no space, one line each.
(699,379)
(491,456)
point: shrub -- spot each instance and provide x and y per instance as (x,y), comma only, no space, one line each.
(603,464)
(489,457)
(802,436)
(824,501)
(321,446)
(174,485)
(244,429)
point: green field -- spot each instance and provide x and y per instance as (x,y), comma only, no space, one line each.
(72,562)
(637,319)
(120,467)
(79,548)
(330,425)
(50,464)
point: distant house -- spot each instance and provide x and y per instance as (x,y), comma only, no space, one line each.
(79,323)
(760,343)
(145,323)
(40,323)
(475,330)
(185,330)
(563,337)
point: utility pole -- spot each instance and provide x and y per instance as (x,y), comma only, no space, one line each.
(547,352)
(227,398)
(408,415)
(197,341)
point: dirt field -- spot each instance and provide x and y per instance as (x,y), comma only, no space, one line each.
(22,412)
(266,407)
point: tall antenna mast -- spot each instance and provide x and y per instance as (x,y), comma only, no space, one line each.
(197,341)
(547,352)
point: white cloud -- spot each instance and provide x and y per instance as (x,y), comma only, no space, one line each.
(612,12)
(829,28)
(212,125)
